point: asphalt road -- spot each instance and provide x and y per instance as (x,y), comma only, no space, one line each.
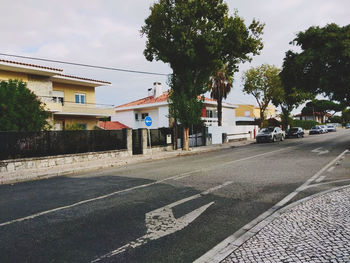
(171,210)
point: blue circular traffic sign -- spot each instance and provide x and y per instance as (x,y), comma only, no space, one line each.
(148,121)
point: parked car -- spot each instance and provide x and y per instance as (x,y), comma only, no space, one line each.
(331,128)
(316,130)
(271,134)
(324,128)
(295,132)
(347,126)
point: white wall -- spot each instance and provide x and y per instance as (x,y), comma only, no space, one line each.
(234,132)
(228,117)
(125,117)
(163,116)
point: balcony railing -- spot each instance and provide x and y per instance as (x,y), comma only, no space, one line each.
(59,106)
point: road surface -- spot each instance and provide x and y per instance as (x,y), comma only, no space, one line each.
(172,210)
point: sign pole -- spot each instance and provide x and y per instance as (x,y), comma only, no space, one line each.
(148,122)
(149,140)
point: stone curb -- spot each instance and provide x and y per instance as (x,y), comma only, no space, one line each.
(249,233)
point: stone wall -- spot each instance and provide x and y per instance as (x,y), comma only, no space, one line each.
(30,168)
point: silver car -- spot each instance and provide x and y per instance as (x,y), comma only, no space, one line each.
(271,134)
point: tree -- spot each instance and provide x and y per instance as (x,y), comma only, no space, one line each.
(291,97)
(264,84)
(323,65)
(322,106)
(20,109)
(220,86)
(196,38)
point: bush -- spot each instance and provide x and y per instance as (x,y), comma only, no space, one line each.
(305,124)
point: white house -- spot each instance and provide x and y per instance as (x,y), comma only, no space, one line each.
(156,106)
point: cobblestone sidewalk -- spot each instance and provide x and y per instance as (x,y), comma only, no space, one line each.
(317,230)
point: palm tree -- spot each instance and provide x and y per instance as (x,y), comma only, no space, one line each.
(220,85)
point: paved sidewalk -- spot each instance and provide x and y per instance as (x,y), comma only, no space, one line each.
(316,230)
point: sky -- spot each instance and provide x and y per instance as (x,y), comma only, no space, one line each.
(107,33)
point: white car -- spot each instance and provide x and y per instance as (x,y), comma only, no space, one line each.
(331,128)
(324,128)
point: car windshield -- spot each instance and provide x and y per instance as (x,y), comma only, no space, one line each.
(266,130)
(293,130)
(314,128)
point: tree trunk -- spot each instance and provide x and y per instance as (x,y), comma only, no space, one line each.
(219,112)
(186,136)
(261,118)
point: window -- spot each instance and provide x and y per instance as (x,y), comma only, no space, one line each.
(136,116)
(144,115)
(211,113)
(80,98)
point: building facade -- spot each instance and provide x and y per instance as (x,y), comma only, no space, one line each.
(156,106)
(69,99)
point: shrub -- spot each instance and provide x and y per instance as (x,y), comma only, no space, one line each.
(305,124)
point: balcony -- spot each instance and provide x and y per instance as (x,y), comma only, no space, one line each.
(59,107)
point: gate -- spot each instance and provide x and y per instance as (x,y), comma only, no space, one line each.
(136,142)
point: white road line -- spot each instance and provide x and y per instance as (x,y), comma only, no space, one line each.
(321,178)
(175,177)
(226,247)
(330,182)
(331,169)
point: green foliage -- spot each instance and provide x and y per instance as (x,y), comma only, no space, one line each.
(336,119)
(74,127)
(220,86)
(346,116)
(264,84)
(20,109)
(322,67)
(196,38)
(305,124)
(322,106)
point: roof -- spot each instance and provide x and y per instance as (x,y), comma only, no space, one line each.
(85,79)
(147,100)
(29,65)
(48,71)
(111,125)
(161,99)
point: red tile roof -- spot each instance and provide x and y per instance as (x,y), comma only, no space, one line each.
(74,77)
(150,100)
(29,65)
(111,125)
(147,100)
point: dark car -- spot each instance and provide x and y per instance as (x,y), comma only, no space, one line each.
(296,132)
(271,134)
(316,130)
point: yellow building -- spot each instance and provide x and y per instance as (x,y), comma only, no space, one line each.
(69,99)
(251,112)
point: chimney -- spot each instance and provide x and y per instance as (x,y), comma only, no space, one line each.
(151,92)
(158,91)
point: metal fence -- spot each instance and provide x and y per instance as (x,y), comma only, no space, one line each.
(15,145)
(160,137)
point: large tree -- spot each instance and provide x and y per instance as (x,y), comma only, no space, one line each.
(20,109)
(264,83)
(196,37)
(291,97)
(322,106)
(220,86)
(323,65)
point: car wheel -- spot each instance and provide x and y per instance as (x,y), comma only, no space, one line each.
(274,139)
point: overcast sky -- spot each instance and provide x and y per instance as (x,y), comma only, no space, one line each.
(106,33)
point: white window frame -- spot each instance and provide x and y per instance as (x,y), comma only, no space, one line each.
(80,96)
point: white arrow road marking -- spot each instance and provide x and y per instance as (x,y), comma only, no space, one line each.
(162,222)
(320,151)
